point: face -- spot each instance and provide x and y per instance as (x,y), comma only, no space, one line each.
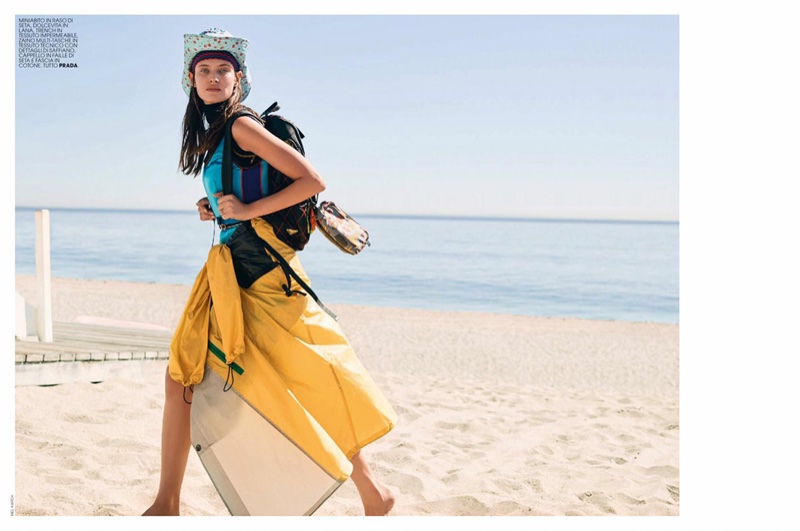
(214,80)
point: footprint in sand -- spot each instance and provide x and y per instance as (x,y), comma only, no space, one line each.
(510,487)
(406,444)
(407,415)
(71,464)
(455,506)
(599,500)
(121,444)
(535,485)
(452,477)
(62,480)
(64,450)
(83,419)
(460,426)
(406,483)
(510,508)
(108,509)
(33,512)
(674,493)
(23,428)
(630,413)
(665,471)
(629,500)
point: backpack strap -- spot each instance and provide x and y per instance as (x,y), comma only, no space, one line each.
(272,108)
(227,154)
(289,272)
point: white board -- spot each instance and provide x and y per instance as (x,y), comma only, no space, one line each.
(254,467)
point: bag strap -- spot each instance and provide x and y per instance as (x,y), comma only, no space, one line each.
(227,154)
(289,272)
(272,108)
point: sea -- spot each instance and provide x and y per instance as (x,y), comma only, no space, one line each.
(607,270)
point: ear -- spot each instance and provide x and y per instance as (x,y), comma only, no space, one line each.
(191,78)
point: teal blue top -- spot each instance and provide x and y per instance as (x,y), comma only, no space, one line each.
(249,185)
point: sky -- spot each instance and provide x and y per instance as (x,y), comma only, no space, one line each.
(553,116)
(738,165)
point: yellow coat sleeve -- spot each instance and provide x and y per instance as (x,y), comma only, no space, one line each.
(227,301)
(189,347)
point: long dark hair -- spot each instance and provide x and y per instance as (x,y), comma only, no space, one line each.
(199,142)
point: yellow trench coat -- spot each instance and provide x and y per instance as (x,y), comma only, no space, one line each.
(288,358)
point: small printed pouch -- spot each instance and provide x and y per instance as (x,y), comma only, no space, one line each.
(341,229)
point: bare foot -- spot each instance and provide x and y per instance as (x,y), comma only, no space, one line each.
(158,509)
(381,505)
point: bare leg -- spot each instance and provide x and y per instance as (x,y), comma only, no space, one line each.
(175,445)
(378,500)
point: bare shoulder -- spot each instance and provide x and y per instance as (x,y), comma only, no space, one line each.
(247,126)
(246,122)
(249,133)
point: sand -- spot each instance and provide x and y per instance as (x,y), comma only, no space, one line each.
(498,415)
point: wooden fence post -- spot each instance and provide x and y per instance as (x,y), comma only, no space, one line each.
(44,306)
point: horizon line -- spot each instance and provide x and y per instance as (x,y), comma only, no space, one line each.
(451,217)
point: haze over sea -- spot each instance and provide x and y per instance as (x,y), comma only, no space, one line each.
(609,270)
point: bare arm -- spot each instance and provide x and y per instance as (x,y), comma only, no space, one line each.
(252,137)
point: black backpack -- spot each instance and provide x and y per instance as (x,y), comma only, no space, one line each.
(292,225)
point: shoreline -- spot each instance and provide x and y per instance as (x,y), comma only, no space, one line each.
(26,281)
(545,352)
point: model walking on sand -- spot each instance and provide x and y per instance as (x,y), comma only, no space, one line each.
(348,406)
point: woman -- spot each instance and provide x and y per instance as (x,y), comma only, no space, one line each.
(278,334)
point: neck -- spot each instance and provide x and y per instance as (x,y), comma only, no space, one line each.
(213,111)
